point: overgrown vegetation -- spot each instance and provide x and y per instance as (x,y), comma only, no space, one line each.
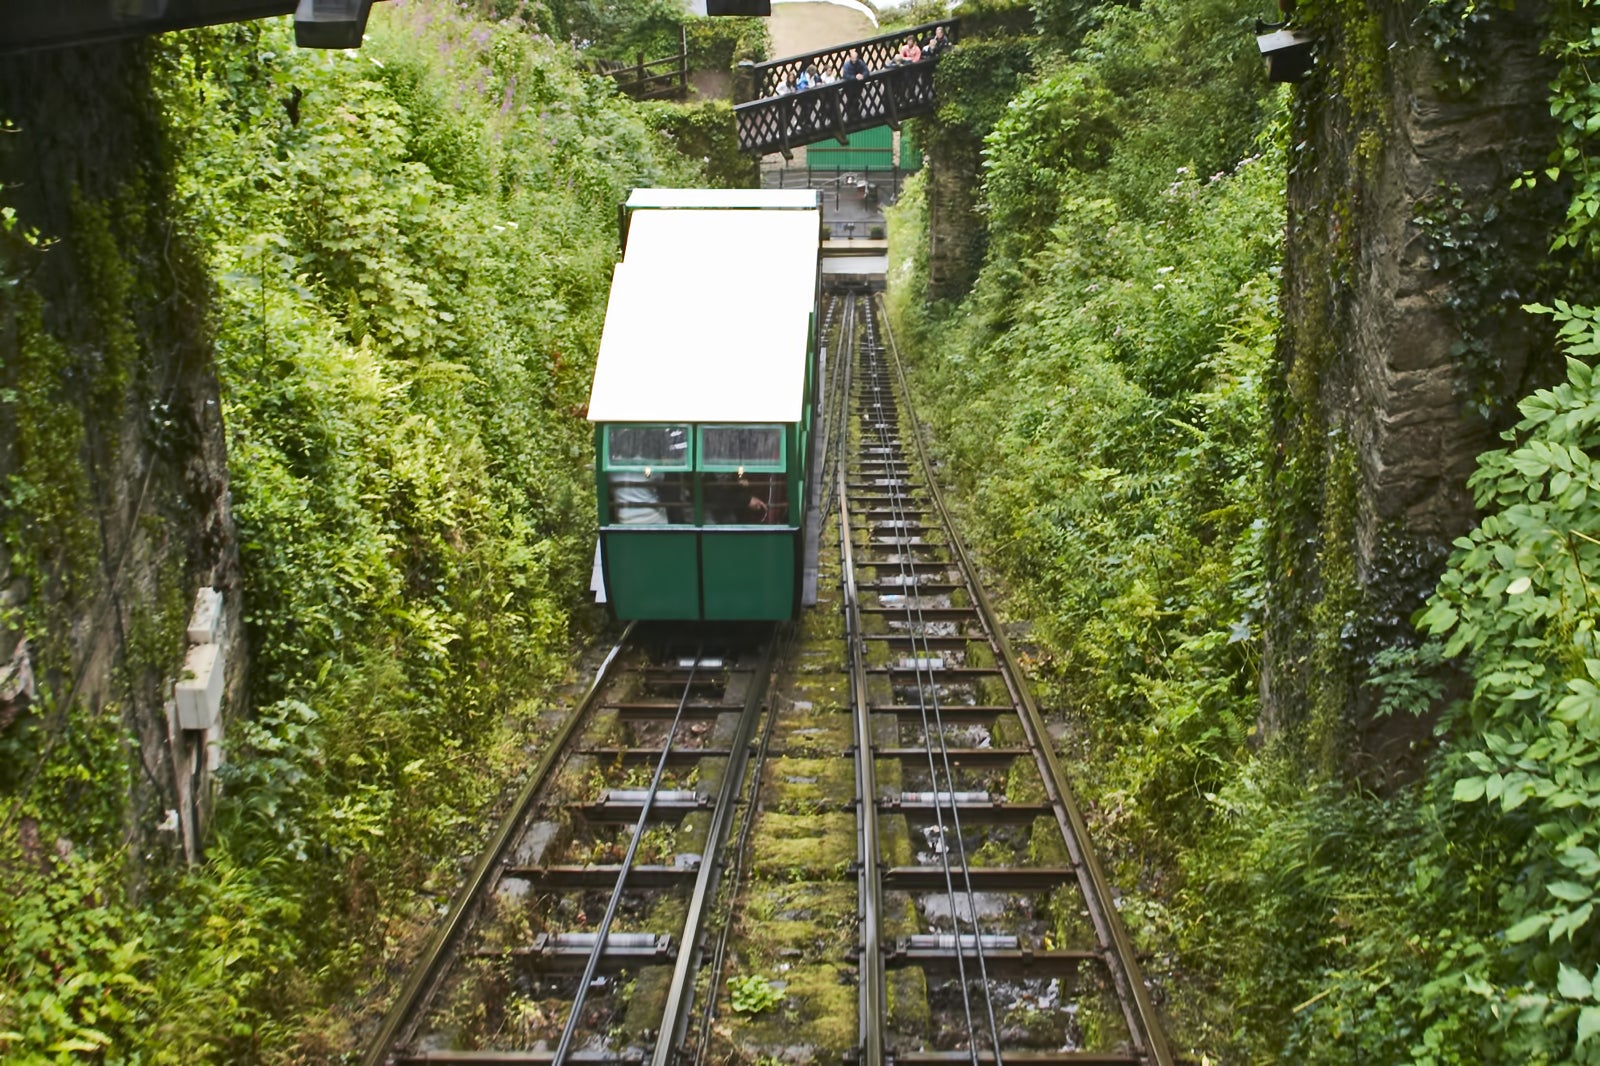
(1101,388)
(409,250)
(1102,406)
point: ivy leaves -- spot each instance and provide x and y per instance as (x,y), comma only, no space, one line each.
(1518,601)
(1576,109)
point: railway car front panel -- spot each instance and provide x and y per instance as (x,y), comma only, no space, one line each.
(751,546)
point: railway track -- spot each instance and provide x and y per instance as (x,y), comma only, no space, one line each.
(988,931)
(847,839)
(577,936)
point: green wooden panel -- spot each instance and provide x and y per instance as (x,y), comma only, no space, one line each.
(868,150)
(749,574)
(651,574)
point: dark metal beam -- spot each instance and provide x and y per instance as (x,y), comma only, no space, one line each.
(944,675)
(651,756)
(972,758)
(625,1057)
(29,25)
(667,710)
(549,954)
(1016,1058)
(950,714)
(989,812)
(925,614)
(670,809)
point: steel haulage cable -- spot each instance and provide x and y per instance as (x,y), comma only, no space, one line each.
(897,509)
(922,662)
(873,994)
(593,963)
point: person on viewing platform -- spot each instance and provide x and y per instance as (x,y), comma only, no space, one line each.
(910,52)
(854,68)
(807,79)
(937,44)
(782,87)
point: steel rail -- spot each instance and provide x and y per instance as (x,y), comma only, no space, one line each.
(837,424)
(680,994)
(898,509)
(1140,1010)
(873,1002)
(420,986)
(592,964)
(736,873)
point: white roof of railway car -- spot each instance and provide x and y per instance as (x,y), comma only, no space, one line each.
(709,318)
(729,198)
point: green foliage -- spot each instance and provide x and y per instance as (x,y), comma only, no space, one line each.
(705,132)
(621,30)
(1447,26)
(176,981)
(408,250)
(1576,109)
(975,84)
(76,980)
(1462,930)
(1105,417)
(1065,23)
(1407,678)
(1101,393)
(615,28)
(722,43)
(1112,114)
(1518,603)
(410,294)
(1465,247)
(752,994)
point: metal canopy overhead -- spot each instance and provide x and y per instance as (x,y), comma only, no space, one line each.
(709,318)
(799,199)
(34,24)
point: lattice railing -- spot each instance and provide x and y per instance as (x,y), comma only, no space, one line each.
(878,53)
(884,98)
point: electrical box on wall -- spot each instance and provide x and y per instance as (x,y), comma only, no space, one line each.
(199,690)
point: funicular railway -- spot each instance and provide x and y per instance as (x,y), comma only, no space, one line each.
(889,94)
(634,875)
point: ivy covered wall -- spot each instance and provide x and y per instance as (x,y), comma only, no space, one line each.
(1403,347)
(114,502)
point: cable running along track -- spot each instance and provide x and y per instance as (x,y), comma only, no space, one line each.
(999,939)
(577,937)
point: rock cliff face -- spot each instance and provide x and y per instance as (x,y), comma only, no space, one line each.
(115,508)
(1403,348)
(974,83)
